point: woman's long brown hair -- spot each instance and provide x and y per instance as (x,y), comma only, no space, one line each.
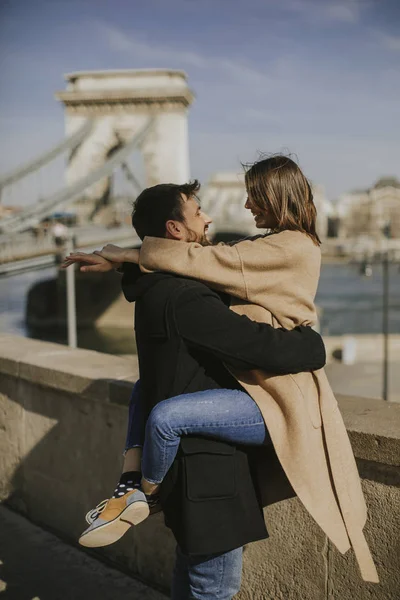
(277,185)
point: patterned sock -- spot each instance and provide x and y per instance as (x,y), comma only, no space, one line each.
(128,482)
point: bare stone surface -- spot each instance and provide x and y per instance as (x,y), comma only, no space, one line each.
(11,418)
(299,562)
(374,428)
(37,565)
(55,365)
(382,533)
(296,546)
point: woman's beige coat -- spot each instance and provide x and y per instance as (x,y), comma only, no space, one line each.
(274,279)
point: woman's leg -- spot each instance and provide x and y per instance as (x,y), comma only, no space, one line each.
(228,415)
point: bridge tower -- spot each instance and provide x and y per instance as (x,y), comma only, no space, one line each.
(119,103)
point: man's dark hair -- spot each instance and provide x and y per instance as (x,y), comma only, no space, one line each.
(158,204)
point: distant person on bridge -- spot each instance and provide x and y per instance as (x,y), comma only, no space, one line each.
(272,278)
(60,233)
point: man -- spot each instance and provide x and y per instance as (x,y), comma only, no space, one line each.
(185,334)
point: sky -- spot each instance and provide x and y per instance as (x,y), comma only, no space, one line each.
(316,78)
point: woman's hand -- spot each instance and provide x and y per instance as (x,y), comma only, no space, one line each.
(120,255)
(90,262)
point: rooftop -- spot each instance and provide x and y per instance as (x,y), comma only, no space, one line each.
(101,74)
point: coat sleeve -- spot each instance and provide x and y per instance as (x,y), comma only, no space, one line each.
(217,266)
(264,261)
(204,322)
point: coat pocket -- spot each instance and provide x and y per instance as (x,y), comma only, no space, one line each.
(209,468)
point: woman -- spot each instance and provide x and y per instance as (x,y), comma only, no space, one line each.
(273,278)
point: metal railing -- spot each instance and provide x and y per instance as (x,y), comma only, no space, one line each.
(22,252)
(40,161)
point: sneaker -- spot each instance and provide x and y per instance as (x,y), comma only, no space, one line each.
(111,519)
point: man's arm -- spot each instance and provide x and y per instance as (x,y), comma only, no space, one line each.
(205,322)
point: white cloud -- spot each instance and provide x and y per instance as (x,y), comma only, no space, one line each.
(336,108)
(391,42)
(342,11)
(346,13)
(140,48)
(287,91)
(239,72)
(119,41)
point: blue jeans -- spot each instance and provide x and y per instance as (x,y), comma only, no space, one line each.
(227,415)
(211,577)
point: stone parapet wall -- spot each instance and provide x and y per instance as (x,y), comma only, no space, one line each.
(63,416)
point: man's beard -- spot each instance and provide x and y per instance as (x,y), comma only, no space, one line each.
(194,237)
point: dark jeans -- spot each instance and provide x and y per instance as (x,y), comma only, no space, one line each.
(207,577)
(136,422)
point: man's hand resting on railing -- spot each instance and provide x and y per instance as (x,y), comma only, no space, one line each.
(90,262)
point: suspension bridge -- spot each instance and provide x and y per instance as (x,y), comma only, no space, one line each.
(111,118)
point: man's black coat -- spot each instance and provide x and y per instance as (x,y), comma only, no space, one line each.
(184,334)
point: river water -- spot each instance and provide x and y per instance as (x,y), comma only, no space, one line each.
(349,303)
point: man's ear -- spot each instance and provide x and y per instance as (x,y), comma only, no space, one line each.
(174,230)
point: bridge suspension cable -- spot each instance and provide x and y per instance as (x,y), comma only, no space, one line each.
(40,161)
(31,215)
(131,177)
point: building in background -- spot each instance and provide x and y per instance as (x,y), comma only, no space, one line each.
(224,197)
(370,212)
(325,211)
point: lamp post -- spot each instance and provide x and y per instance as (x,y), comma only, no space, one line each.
(366,269)
(385,324)
(71,296)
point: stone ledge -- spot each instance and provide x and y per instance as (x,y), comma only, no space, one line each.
(373,425)
(85,372)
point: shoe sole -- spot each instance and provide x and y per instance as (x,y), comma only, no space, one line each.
(111,532)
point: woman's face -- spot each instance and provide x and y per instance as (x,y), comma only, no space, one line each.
(262,217)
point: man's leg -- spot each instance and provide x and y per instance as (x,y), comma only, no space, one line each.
(228,415)
(131,467)
(207,577)
(132,460)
